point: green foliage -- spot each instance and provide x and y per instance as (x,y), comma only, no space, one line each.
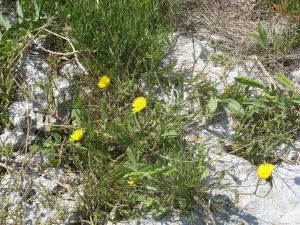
(249,82)
(122,36)
(285,81)
(129,162)
(234,106)
(271,118)
(292,7)
(8,49)
(225,102)
(260,37)
(50,146)
(220,59)
(4,22)
(147,149)
(275,43)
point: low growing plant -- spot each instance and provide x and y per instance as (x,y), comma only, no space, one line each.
(135,161)
(270,118)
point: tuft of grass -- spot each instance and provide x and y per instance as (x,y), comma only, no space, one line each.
(8,49)
(121,36)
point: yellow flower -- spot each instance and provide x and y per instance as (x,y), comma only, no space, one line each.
(103,82)
(76,135)
(131,182)
(264,171)
(139,104)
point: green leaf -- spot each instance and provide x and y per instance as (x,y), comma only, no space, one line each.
(131,156)
(20,11)
(212,104)
(262,33)
(261,37)
(256,38)
(297,101)
(34,148)
(255,102)
(234,106)
(172,133)
(37,9)
(228,91)
(205,173)
(284,81)
(249,82)
(4,22)
(149,172)
(76,117)
(222,175)
(149,202)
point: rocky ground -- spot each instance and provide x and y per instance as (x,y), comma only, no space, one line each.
(31,194)
(253,203)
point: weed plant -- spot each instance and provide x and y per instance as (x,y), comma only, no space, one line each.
(273,43)
(139,161)
(130,162)
(270,118)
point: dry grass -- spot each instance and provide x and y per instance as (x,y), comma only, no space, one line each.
(230,22)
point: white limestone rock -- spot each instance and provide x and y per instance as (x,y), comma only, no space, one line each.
(295,75)
(194,58)
(50,199)
(21,114)
(15,138)
(46,104)
(71,70)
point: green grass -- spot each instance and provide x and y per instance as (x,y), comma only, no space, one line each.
(121,36)
(275,44)
(148,148)
(132,163)
(270,118)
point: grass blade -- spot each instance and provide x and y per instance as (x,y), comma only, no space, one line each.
(4,22)
(20,11)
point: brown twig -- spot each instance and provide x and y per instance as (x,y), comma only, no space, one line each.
(72,46)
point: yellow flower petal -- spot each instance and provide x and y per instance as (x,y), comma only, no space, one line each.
(103,82)
(76,135)
(264,171)
(139,104)
(131,182)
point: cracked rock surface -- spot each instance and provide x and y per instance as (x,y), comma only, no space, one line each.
(32,195)
(45,102)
